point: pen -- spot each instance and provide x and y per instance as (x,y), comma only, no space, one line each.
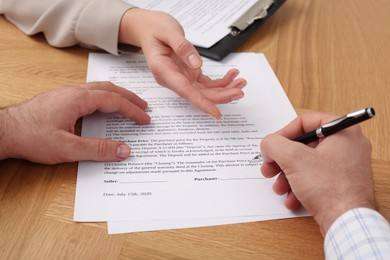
(332,127)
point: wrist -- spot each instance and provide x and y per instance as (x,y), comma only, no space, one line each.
(130,25)
(331,213)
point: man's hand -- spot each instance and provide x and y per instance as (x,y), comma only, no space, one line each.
(42,129)
(328,177)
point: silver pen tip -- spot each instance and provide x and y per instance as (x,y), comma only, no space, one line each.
(257,159)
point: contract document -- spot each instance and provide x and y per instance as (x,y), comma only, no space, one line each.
(185,169)
(205,22)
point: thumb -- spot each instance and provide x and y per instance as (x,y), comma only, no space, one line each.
(186,52)
(95,149)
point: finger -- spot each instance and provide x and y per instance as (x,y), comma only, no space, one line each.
(172,36)
(226,82)
(238,83)
(184,50)
(108,102)
(292,202)
(284,157)
(80,149)
(304,124)
(197,99)
(281,185)
(109,86)
(270,169)
(222,96)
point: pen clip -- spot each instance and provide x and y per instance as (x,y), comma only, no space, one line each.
(355,114)
(335,122)
(256,12)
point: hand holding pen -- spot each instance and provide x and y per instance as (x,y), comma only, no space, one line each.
(328,177)
(331,127)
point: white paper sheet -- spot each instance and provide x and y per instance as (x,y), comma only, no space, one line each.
(186,169)
(120,227)
(205,22)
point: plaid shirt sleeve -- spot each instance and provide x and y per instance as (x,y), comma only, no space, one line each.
(359,233)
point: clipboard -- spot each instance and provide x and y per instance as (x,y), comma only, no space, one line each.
(241,29)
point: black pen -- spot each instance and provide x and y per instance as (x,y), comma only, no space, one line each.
(332,127)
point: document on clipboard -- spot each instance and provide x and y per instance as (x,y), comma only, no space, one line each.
(215,27)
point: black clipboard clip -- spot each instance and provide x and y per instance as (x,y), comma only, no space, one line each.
(258,11)
(229,43)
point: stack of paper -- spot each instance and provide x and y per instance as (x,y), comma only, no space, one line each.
(186,169)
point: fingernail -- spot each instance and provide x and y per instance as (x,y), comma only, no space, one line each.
(243,84)
(236,97)
(123,151)
(235,73)
(214,113)
(216,117)
(194,61)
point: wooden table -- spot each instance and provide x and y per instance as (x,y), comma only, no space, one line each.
(328,55)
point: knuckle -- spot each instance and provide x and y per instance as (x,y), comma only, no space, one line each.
(102,149)
(155,67)
(181,46)
(368,144)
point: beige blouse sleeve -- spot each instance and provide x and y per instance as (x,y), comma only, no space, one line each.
(94,23)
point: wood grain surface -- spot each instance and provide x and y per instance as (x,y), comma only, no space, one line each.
(331,56)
